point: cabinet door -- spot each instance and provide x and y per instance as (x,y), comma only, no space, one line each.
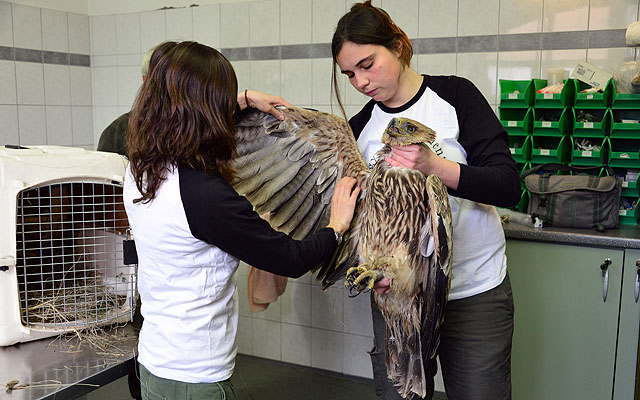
(627,357)
(564,340)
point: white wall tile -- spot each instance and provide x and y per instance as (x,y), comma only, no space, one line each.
(610,59)
(321,85)
(438,18)
(32,125)
(57,89)
(296,81)
(522,16)
(565,15)
(242,295)
(436,64)
(128,33)
(103,34)
(404,14)
(104,61)
(481,69)
(518,65)
(55,31)
(244,337)
(243,75)
(105,86)
(6,25)
(264,23)
(7,82)
(296,304)
(326,14)
(296,344)
(272,313)
(295,17)
(265,76)
(206,25)
(478,17)
(243,269)
(82,125)
(326,350)
(356,359)
(357,314)
(103,117)
(79,36)
(326,308)
(566,59)
(27,27)
(59,125)
(267,339)
(30,83)
(612,14)
(129,81)
(132,60)
(9,128)
(234,23)
(153,29)
(179,24)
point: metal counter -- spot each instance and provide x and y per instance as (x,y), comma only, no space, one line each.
(625,237)
(54,360)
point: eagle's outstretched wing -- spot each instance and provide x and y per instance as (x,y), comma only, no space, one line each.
(288,170)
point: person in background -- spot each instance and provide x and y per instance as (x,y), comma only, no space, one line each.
(472,158)
(191,227)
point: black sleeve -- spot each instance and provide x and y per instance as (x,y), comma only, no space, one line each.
(491,175)
(218,215)
(358,121)
(114,137)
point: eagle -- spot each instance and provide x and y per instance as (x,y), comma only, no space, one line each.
(401,229)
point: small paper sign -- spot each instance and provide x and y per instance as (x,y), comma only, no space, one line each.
(513,96)
(622,212)
(544,152)
(546,124)
(589,96)
(586,154)
(625,184)
(588,124)
(513,150)
(548,96)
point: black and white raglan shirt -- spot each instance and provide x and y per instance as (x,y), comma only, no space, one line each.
(189,239)
(469,133)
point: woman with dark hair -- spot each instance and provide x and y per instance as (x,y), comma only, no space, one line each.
(191,228)
(472,158)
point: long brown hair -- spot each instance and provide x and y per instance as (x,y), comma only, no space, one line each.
(183,115)
(366,24)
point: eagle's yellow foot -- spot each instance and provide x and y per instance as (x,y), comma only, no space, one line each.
(362,279)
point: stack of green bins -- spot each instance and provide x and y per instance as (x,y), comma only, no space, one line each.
(516,115)
(591,119)
(624,149)
(552,123)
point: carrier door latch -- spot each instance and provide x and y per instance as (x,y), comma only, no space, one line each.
(129,253)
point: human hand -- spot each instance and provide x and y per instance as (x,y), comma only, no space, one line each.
(343,204)
(262,101)
(382,286)
(418,157)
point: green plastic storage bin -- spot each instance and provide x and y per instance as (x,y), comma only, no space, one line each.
(591,100)
(516,121)
(520,147)
(592,129)
(629,186)
(554,100)
(558,122)
(624,152)
(516,94)
(591,158)
(623,124)
(627,101)
(548,149)
(629,216)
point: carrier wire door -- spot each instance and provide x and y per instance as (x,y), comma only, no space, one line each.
(66,265)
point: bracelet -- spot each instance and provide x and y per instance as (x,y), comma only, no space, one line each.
(246,99)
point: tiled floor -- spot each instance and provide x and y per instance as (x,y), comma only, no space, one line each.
(260,379)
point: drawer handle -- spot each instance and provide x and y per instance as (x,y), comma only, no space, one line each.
(604,267)
(637,289)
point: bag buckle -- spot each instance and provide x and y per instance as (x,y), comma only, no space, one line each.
(542,201)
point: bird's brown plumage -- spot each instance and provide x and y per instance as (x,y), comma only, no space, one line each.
(401,228)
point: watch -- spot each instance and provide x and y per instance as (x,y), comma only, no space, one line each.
(338,236)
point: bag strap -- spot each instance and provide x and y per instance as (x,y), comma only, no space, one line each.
(563,167)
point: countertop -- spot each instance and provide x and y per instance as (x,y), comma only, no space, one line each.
(625,237)
(68,370)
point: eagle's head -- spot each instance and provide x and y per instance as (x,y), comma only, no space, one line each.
(404,131)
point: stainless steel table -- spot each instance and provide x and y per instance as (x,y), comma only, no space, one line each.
(78,371)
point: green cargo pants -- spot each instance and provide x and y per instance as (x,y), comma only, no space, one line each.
(155,388)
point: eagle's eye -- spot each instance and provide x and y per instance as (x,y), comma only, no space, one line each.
(411,128)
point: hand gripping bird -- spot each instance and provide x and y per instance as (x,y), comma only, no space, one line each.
(401,228)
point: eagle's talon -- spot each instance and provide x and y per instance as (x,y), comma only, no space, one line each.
(361,279)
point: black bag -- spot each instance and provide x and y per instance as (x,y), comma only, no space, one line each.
(573,201)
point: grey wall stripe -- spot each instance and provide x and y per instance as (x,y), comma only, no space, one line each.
(462,44)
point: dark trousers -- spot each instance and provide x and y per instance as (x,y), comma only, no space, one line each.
(134,376)
(474,352)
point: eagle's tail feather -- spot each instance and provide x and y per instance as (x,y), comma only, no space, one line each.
(405,368)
